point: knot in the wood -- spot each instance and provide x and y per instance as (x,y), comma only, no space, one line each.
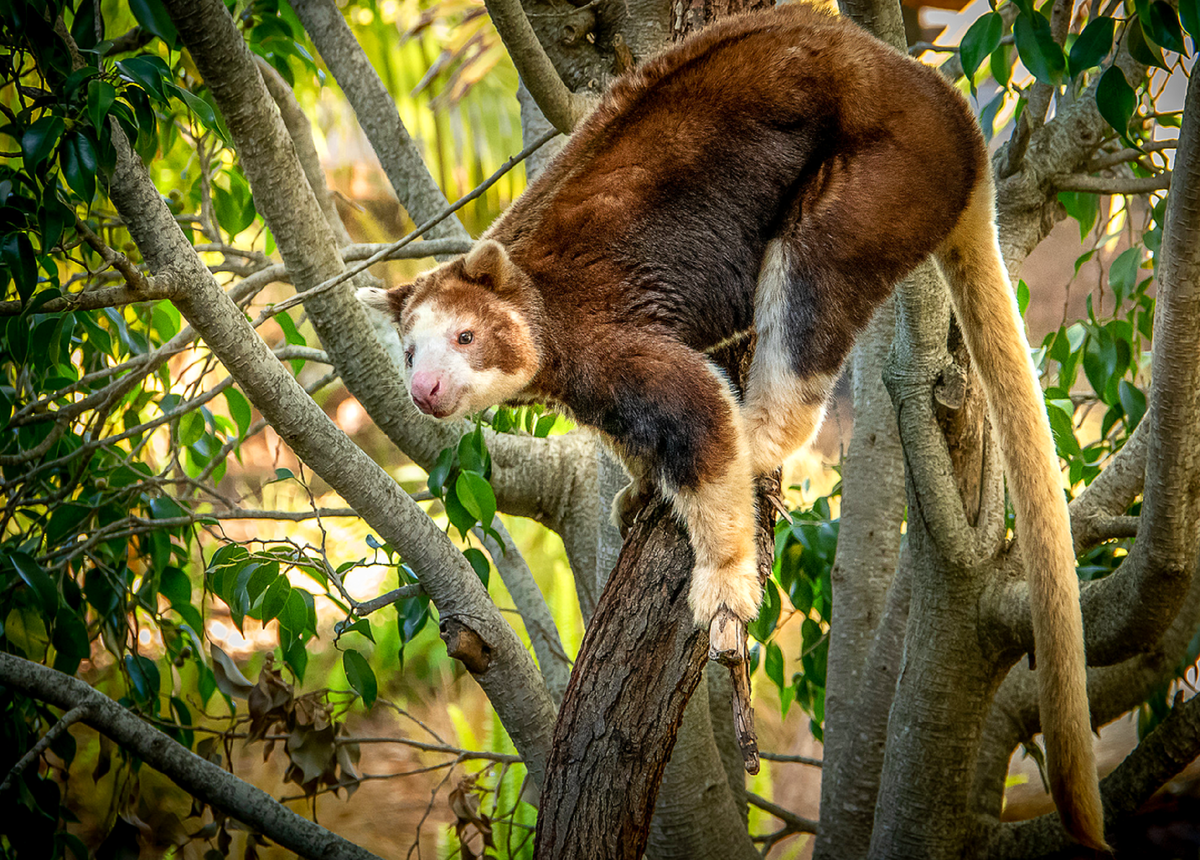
(950,390)
(466,646)
(578,25)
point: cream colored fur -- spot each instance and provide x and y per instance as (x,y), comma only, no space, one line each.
(995,337)
(720,520)
(782,411)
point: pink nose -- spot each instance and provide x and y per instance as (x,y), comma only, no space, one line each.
(425,389)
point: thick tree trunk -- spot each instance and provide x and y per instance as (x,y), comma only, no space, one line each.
(640,660)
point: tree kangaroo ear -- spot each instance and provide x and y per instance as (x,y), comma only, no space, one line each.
(488,263)
(390,302)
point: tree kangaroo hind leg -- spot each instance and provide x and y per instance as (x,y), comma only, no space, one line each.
(672,411)
(782,407)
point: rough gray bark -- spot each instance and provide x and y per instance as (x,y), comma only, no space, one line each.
(531,606)
(868,548)
(197,776)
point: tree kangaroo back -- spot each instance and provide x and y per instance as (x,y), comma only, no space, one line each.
(780,171)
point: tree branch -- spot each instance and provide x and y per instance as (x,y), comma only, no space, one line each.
(376,111)
(197,776)
(1113,184)
(511,681)
(559,105)
(65,722)
(308,247)
(1161,755)
(531,605)
(1138,602)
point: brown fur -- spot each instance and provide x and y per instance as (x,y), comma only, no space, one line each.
(782,171)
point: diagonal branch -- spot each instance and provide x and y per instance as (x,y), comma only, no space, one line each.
(309,250)
(510,679)
(197,776)
(376,111)
(559,105)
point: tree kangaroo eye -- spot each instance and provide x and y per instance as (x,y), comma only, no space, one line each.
(408,356)
(466,337)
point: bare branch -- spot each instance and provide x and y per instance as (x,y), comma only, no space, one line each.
(197,776)
(1138,602)
(511,681)
(1113,184)
(791,759)
(388,251)
(796,823)
(1122,156)
(376,112)
(539,622)
(561,106)
(67,720)
(1162,755)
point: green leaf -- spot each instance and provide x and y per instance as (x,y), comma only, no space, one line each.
(17,253)
(1189,16)
(101,95)
(191,428)
(981,39)
(1083,206)
(1116,100)
(1141,49)
(39,140)
(1037,48)
(1133,401)
(1092,46)
(275,598)
(143,674)
(70,641)
(263,576)
(235,211)
(360,676)
(411,616)
(544,425)
(476,496)
(154,19)
(149,72)
(1123,274)
(479,563)
(64,521)
(763,626)
(1001,66)
(79,163)
(37,580)
(239,409)
(1164,27)
(1022,296)
(441,471)
(196,105)
(472,453)
(361,626)
(176,587)
(1063,428)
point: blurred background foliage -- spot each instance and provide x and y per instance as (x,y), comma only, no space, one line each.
(158,540)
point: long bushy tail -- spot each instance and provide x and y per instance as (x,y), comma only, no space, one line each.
(995,338)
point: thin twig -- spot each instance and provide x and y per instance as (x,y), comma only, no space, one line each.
(388,250)
(71,717)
